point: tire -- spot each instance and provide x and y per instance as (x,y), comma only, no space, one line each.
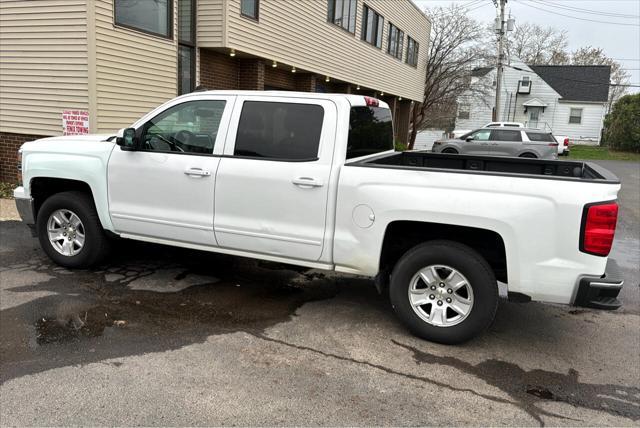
(450,151)
(95,245)
(480,285)
(528,155)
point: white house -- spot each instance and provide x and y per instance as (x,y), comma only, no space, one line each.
(569,100)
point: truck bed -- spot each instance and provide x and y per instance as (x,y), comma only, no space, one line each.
(492,165)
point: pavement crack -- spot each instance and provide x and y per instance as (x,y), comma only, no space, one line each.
(382,368)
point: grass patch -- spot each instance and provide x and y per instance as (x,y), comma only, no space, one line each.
(6,190)
(602,153)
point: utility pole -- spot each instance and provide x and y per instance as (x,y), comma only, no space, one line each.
(501,34)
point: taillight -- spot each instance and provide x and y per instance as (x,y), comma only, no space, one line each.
(552,144)
(598,228)
(371,102)
(566,142)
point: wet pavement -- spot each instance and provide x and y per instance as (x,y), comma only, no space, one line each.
(165,336)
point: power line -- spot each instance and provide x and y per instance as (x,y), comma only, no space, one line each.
(576,17)
(587,11)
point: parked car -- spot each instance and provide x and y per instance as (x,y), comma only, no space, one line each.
(563,145)
(459,133)
(521,142)
(313,180)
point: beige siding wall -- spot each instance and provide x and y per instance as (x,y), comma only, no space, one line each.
(296,32)
(135,72)
(43,64)
(210,22)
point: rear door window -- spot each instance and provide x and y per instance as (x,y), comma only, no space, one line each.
(541,137)
(282,131)
(370,131)
(506,135)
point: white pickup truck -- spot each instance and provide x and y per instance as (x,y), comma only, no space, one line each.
(313,180)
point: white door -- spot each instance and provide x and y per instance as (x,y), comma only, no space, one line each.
(534,116)
(165,188)
(272,185)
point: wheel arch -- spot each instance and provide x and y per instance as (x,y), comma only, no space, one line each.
(41,188)
(400,236)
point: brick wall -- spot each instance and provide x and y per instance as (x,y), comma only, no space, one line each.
(251,74)
(9,145)
(218,71)
(280,78)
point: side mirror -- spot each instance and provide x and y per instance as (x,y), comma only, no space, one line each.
(128,139)
(469,139)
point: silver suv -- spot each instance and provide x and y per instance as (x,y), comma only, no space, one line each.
(521,142)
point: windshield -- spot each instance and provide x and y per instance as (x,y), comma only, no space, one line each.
(370,131)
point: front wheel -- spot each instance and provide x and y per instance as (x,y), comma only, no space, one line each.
(444,292)
(69,230)
(450,151)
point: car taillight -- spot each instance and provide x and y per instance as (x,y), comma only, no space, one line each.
(566,142)
(552,144)
(598,228)
(371,102)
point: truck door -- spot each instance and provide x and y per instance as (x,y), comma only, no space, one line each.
(164,189)
(272,184)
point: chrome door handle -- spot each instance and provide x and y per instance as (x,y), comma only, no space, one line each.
(198,172)
(307,182)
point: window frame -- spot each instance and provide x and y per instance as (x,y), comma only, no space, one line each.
(571,109)
(331,13)
(464,108)
(416,50)
(187,44)
(399,42)
(363,29)
(170,16)
(257,7)
(230,152)
(141,125)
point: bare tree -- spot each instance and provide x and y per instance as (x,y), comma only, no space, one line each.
(457,45)
(535,44)
(589,55)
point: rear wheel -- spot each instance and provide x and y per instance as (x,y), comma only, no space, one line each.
(69,230)
(444,292)
(450,151)
(528,155)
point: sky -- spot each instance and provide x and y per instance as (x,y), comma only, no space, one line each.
(621,42)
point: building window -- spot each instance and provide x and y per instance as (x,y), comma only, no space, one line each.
(343,13)
(154,17)
(412,52)
(575,116)
(372,26)
(463,112)
(525,81)
(250,8)
(396,41)
(186,46)
(283,131)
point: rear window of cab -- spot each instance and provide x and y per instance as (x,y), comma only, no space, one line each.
(370,131)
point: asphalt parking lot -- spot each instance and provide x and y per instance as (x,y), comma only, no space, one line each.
(163,336)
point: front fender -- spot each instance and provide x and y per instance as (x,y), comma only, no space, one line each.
(89,168)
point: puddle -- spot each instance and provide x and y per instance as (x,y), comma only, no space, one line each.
(73,327)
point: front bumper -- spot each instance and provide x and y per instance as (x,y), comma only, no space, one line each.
(24,205)
(600,292)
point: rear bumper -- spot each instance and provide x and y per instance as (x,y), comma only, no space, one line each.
(600,292)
